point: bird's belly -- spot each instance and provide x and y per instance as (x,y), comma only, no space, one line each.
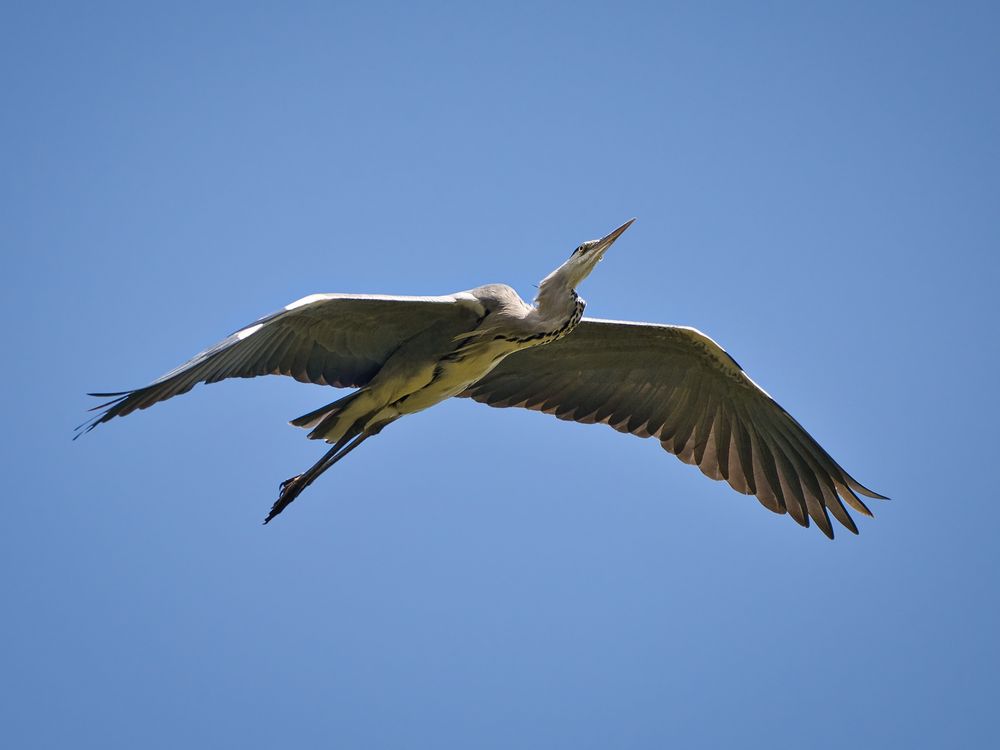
(452,376)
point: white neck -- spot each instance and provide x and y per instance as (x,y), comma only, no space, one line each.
(556,298)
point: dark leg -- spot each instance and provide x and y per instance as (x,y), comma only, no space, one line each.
(292,488)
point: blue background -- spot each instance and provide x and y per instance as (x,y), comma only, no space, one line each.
(817,187)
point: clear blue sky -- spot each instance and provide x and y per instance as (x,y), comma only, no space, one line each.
(817,187)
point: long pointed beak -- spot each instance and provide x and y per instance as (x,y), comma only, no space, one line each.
(608,240)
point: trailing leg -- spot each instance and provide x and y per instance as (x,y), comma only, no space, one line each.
(292,488)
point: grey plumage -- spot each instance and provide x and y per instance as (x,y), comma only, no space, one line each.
(406,353)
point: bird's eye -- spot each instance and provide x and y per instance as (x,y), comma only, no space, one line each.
(579,249)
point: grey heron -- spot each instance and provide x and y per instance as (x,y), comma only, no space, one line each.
(405,354)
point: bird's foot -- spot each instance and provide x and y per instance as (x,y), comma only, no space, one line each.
(288,491)
(288,483)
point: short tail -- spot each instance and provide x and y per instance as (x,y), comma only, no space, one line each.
(346,416)
(313,418)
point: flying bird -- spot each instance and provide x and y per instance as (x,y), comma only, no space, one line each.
(405,354)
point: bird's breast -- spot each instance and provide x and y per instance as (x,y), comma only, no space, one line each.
(475,356)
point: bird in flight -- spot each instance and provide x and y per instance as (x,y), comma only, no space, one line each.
(405,354)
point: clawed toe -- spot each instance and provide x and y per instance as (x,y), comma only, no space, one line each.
(284,485)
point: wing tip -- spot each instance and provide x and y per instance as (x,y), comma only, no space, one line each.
(110,411)
(857,486)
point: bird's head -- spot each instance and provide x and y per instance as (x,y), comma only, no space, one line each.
(571,273)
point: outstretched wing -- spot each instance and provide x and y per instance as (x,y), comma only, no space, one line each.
(676,384)
(329,339)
